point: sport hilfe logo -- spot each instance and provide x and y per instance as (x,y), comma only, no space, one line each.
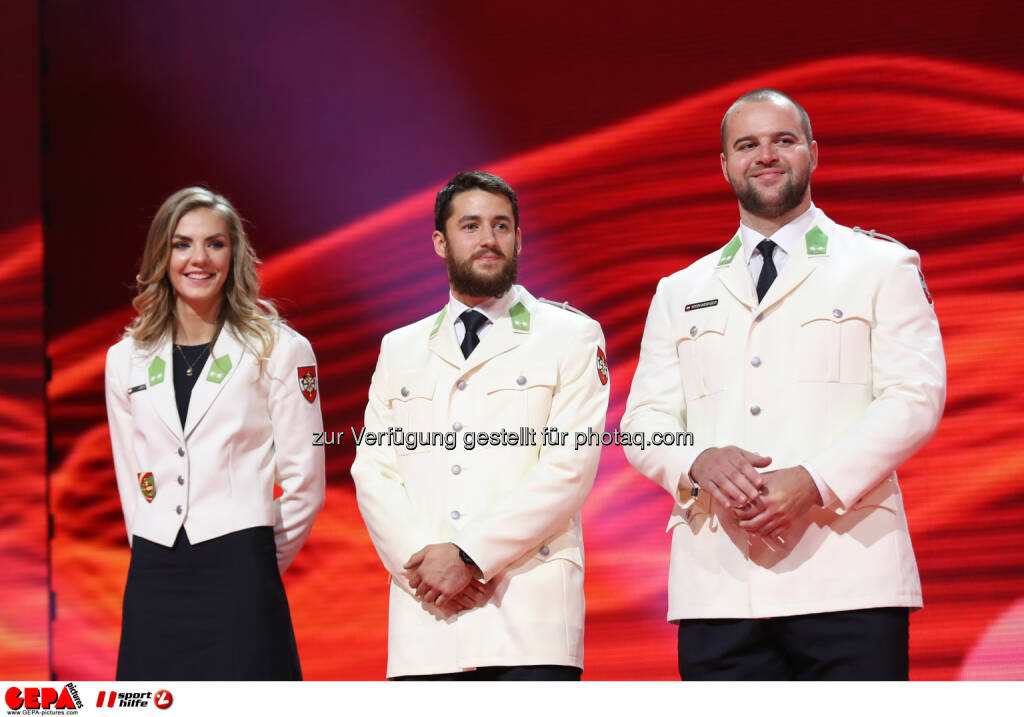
(43,698)
(160,698)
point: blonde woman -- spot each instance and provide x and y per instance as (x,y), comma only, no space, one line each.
(212,403)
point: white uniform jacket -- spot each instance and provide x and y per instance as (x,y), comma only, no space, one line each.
(514,509)
(841,366)
(245,433)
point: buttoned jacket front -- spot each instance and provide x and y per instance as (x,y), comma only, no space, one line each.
(840,366)
(245,433)
(513,508)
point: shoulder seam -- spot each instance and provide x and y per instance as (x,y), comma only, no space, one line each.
(563,305)
(878,235)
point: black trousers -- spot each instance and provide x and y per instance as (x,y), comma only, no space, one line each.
(537,673)
(867,644)
(215,610)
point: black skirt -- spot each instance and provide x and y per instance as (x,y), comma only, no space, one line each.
(211,611)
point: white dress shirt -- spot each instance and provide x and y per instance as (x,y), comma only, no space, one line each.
(786,238)
(492,309)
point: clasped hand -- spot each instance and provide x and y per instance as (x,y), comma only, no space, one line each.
(439,576)
(763,504)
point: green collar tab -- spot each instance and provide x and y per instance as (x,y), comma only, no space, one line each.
(817,242)
(156,371)
(219,369)
(520,316)
(729,252)
(437,323)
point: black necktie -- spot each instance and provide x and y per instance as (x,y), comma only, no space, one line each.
(768,273)
(472,320)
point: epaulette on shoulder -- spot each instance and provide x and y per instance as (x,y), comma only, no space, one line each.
(878,235)
(563,305)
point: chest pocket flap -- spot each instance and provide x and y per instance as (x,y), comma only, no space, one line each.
(834,341)
(528,376)
(520,395)
(411,397)
(696,324)
(701,350)
(411,386)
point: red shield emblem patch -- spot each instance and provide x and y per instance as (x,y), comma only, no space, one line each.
(602,366)
(147,486)
(307,382)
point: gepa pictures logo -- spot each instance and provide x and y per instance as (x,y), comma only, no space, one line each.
(43,700)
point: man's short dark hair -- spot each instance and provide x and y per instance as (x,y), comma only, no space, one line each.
(465,181)
(768,94)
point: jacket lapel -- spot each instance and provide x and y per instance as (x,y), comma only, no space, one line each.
(501,337)
(220,367)
(809,254)
(498,340)
(508,331)
(732,271)
(160,386)
(442,339)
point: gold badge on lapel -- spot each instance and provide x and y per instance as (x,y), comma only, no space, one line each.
(147,486)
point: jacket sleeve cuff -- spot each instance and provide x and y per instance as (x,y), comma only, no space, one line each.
(686,481)
(827,496)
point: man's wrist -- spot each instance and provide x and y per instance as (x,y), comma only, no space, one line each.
(694,487)
(691,479)
(824,495)
(465,558)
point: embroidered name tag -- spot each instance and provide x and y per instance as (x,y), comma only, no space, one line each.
(133,389)
(701,305)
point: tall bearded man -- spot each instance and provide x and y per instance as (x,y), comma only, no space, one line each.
(806,359)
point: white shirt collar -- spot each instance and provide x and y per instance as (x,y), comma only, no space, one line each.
(786,237)
(493,308)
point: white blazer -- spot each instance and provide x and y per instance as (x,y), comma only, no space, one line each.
(245,435)
(514,509)
(841,366)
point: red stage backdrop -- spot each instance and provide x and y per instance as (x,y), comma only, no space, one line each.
(24,599)
(925,150)
(331,126)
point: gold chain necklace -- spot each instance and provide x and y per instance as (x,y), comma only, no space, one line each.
(209,347)
(188,371)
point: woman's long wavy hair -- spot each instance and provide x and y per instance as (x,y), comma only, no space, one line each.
(251,318)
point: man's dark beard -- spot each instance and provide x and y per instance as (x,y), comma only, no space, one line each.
(792,195)
(465,281)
